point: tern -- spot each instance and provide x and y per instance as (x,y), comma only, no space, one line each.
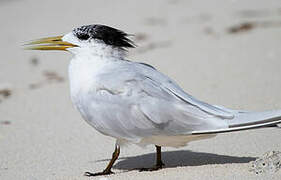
(134,102)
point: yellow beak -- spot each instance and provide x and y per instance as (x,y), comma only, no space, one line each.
(50,43)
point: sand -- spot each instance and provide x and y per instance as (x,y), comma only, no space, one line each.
(200,44)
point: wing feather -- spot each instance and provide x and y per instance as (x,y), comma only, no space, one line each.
(170,85)
(132,101)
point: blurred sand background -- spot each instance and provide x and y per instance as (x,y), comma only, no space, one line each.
(225,52)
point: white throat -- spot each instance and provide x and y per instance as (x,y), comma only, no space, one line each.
(99,50)
(89,60)
(86,65)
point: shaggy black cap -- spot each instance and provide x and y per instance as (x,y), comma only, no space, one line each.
(108,35)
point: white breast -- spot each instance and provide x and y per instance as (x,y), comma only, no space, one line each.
(82,75)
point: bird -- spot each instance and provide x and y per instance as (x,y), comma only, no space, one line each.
(135,103)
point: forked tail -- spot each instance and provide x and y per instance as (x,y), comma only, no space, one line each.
(248,120)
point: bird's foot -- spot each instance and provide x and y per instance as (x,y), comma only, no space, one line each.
(158,166)
(105,172)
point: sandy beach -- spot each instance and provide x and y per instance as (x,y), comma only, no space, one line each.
(222,52)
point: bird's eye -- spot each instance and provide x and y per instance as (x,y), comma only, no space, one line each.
(83,36)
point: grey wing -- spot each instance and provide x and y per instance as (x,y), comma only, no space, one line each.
(147,103)
(173,115)
(171,86)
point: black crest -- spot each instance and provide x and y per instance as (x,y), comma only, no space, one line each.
(108,35)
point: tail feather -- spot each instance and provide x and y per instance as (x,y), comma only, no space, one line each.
(248,120)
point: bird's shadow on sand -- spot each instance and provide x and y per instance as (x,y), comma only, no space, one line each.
(178,158)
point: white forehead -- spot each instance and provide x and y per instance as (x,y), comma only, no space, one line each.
(71,38)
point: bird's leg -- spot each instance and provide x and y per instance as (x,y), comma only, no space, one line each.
(107,170)
(159,164)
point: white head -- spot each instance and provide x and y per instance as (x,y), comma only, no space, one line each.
(96,39)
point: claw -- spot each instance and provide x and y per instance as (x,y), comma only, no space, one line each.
(158,166)
(150,169)
(89,174)
(154,168)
